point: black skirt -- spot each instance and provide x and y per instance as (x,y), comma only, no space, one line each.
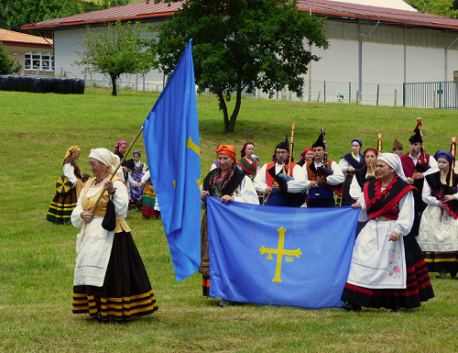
(126,290)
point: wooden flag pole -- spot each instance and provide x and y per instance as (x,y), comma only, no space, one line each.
(114,172)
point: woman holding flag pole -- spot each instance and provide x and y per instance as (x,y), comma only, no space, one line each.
(228,183)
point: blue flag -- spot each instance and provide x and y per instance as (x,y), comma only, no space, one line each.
(171,134)
(280,255)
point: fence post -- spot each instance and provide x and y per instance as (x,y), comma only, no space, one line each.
(395,97)
(378,93)
(318,99)
(143,83)
(349,92)
(357,97)
(404,94)
(324,92)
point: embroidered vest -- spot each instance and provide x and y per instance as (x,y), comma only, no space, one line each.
(88,204)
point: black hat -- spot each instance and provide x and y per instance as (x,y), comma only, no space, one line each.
(416,137)
(129,164)
(319,142)
(284,144)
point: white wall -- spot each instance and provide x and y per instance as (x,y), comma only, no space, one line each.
(68,42)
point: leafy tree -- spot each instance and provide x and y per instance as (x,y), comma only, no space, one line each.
(7,65)
(20,12)
(447,8)
(241,45)
(115,50)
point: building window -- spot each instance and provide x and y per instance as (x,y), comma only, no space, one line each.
(38,61)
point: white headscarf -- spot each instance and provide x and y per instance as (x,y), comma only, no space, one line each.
(394,162)
(109,159)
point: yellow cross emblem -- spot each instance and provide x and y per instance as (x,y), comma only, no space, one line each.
(280,251)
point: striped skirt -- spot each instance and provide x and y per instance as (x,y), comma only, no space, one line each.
(126,292)
(442,261)
(61,207)
(149,201)
(418,289)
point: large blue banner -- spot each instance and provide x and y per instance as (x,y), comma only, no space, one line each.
(279,255)
(171,134)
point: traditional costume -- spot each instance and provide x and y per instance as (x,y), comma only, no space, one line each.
(362,177)
(292,188)
(150,205)
(136,193)
(438,235)
(421,163)
(389,274)
(251,168)
(323,195)
(236,184)
(110,281)
(63,204)
(356,162)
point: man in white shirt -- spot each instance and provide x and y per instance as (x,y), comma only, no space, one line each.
(323,178)
(273,180)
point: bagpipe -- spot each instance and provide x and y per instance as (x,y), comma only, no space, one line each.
(284,176)
(421,167)
(324,170)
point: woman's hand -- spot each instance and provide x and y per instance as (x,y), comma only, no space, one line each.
(203,195)
(394,236)
(86,216)
(139,185)
(448,198)
(356,205)
(227,198)
(267,190)
(108,186)
(442,204)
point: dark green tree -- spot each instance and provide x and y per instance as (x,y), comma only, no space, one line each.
(447,8)
(115,50)
(17,13)
(241,45)
(7,65)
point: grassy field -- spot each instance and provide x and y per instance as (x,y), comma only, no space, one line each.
(37,258)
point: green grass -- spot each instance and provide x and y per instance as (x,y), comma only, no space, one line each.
(37,258)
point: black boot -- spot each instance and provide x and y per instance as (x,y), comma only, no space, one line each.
(351,307)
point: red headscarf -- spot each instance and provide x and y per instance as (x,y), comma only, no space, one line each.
(370,150)
(228,150)
(304,152)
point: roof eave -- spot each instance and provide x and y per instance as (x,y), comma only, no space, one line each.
(26,45)
(377,18)
(52,27)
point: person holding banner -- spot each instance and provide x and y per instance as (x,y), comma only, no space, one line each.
(63,203)
(438,235)
(110,281)
(281,189)
(321,185)
(387,267)
(228,183)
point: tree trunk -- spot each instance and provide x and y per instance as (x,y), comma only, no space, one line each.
(238,103)
(223,107)
(113,83)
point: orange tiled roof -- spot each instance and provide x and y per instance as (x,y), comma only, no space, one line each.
(7,36)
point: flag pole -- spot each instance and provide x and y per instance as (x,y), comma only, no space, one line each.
(114,172)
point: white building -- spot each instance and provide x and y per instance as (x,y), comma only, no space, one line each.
(372,48)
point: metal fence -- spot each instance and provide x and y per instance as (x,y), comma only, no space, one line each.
(435,95)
